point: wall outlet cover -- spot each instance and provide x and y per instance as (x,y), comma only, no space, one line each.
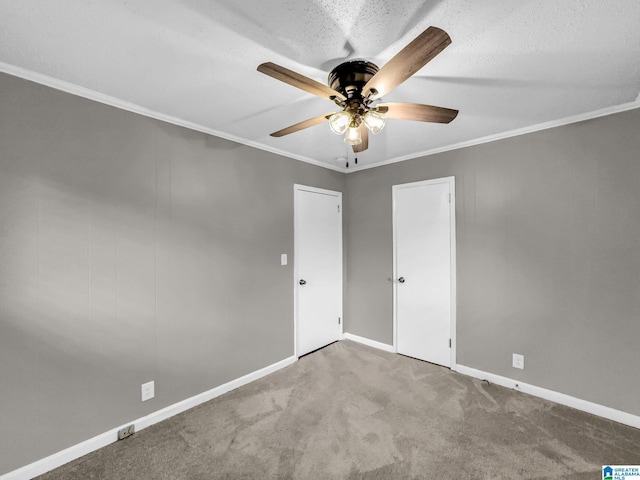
(147,391)
(126,432)
(518,361)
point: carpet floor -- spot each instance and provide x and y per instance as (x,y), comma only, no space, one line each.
(352,412)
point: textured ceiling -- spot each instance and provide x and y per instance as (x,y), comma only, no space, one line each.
(513,65)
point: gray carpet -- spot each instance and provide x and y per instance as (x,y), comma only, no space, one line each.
(351,412)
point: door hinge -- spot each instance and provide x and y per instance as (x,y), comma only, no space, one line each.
(338,208)
(338,320)
(449,198)
(449,343)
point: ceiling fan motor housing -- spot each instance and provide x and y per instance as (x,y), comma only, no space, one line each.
(349,78)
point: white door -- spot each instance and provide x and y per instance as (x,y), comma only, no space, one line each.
(318,268)
(424,270)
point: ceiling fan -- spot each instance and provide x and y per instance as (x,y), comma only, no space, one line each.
(355,85)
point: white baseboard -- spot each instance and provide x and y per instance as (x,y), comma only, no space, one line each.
(76,451)
(371,343)
(577,403)
(72,453)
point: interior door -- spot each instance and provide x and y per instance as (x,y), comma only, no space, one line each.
(424,249)
(318,268)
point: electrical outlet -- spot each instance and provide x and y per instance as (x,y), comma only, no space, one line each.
(518,361)
(126,431)
(148,390)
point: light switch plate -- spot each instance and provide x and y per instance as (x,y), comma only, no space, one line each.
(518,361)
(283,259)
(147,391)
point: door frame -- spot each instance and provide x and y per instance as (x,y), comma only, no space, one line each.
(296,209)
(452,231)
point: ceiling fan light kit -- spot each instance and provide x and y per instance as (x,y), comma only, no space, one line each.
(355,85)
(339,122)
(353,136)
(375,121)
(349,79)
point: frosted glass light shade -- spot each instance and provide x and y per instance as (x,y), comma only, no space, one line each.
(353,136)
(339,122)
(374,121)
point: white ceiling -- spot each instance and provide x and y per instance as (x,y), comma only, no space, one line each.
(512,66)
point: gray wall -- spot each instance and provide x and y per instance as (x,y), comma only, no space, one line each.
(131,250)
(548,255)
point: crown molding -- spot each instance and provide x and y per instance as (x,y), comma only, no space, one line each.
(511,133)
(90,94)
(135,108)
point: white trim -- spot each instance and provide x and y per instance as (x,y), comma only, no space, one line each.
(370,343)
(132,107)
(304,188)
(323,191)
(140,110)
(557,397)
(452,232)
(295,268)
(454,267)
(76,451)
(503,135)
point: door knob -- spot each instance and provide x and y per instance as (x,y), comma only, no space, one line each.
(302,282)
(401,279)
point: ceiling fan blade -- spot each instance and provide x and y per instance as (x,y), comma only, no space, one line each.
(300,81)
(364,133)
(408,61)
(418,112)
(302,125)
